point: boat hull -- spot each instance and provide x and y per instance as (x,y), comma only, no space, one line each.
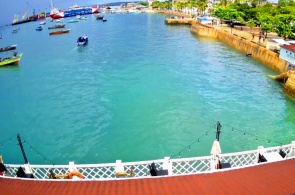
(11,61)
(59,32)
(8,48)
(74,12)
(57,26)
(23,21)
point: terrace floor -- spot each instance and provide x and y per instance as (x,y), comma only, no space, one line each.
(268,178)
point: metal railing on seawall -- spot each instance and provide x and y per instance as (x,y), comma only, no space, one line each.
(181,166)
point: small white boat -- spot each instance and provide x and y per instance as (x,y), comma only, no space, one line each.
(42,23)
(73,21)
(57,21)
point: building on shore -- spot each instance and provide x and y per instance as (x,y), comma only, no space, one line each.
(209,21)
(287,53)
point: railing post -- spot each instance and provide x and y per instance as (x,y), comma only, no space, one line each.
(292,152)
(72,166)
(119,167)
(167,165)
(260,150)
(28,168)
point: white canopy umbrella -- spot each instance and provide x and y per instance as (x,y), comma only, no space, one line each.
(215,152)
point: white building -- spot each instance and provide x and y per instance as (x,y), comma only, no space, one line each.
(209,21)
(287,53)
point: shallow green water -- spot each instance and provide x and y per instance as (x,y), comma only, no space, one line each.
(140,90)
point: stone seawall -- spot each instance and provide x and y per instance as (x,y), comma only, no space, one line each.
(289,86)
(258,52)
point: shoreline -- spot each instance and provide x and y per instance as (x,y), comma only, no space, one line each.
(240,40)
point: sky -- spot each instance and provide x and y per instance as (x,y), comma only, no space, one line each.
(8,8)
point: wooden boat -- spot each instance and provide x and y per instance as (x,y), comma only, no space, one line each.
(12,60)
(57,26)
(59,32)
(8,48)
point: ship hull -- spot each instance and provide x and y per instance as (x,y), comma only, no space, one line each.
(75,12)
(23,21)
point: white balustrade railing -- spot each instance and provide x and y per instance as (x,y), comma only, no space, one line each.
(141,169)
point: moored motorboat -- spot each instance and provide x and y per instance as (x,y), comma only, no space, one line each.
(42,23)
(39,28)
(57,26)
(99,16)
(104,20)
(83,40)
(73,21)
(8,48)
(12,60)
(59,32)
(83,18)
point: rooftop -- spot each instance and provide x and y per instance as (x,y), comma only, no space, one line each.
(289,47)
(266,178)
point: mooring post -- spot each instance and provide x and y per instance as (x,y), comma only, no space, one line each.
(22,148)
(218,130)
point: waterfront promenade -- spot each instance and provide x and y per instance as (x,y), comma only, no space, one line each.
(240,31)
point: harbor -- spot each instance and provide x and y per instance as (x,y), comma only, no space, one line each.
(105,109)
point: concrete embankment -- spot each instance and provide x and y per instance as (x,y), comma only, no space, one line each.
(179,21)
(288,80)
(249,47)
(256,51)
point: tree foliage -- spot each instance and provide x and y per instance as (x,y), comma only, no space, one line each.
(279,18)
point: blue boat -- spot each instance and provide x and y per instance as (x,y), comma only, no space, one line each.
(39,28)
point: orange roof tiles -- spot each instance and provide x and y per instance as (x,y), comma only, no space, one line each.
(270,178)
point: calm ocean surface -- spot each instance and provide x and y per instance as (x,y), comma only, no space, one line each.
(140,90)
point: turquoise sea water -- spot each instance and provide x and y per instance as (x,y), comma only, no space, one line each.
(140,90)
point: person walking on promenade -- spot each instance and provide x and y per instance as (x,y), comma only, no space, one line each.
(259,37)
(253,36)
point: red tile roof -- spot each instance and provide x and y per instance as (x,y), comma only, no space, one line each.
(269,178)
(289,47)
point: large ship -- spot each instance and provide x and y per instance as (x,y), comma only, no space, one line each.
(24,19)
(72,11)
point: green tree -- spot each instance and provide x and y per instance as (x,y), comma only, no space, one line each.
(251,24)
(283,25)
(144,3)
(266,22)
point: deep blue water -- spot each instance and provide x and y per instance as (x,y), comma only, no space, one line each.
(140,90)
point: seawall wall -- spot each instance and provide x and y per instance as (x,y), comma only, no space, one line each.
(258,52)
